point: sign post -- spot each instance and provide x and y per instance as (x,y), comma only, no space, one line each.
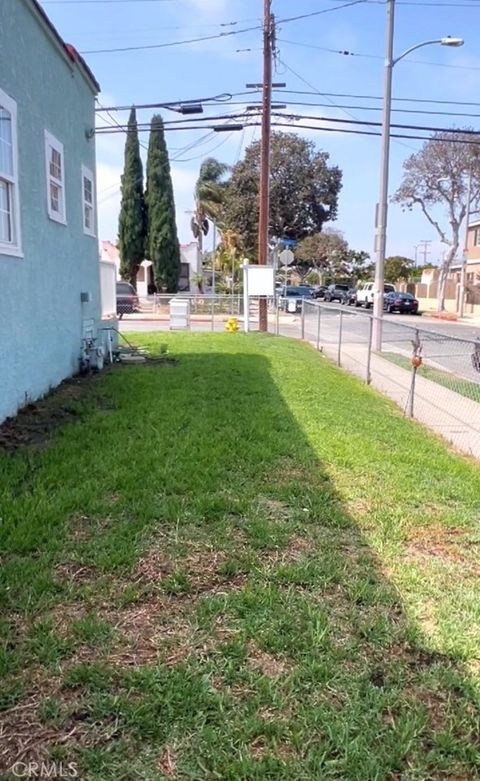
(286,258)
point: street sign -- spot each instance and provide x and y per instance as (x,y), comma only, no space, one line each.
(288,242)
(286,257)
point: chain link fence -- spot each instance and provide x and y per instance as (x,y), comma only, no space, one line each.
(432,376)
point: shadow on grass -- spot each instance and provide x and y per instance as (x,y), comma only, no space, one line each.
(186,597)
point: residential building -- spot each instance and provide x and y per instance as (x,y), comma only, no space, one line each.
(145,283)
(48,224)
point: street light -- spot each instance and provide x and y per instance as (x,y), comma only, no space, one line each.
(382,207)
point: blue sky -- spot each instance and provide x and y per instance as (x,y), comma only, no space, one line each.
(217,66)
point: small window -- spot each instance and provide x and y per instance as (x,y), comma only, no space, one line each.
(9,201)
(55,179)
(476,237)
(88,201)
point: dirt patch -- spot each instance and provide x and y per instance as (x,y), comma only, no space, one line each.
(72,571)
(35,423)
(275,509)
(452,546)
(267,664)
(167,763)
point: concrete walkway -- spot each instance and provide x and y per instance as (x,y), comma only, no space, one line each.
(453,416)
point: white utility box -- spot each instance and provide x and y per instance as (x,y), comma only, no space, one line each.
(179,314)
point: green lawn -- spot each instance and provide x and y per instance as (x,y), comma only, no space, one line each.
(451,381)
(245,566)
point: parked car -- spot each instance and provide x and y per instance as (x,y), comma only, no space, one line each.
(336,292)
(400,302)
(319,291)
(350,296)
(296,294)
(365,293)
(127,299)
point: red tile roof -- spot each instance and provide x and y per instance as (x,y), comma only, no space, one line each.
(71,51)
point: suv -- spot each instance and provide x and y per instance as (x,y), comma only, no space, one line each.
(366,292)
(127,299)
(336,292)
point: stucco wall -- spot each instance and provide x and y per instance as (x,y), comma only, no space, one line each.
(41,314)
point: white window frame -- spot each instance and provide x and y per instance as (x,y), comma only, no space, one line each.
(12,248)
(88,174)
(53,143)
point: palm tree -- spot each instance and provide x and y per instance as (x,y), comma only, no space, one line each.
(208,195)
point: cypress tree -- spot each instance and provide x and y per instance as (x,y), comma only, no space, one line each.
(162,246)
(132,219)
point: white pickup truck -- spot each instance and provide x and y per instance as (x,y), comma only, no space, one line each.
(366,291)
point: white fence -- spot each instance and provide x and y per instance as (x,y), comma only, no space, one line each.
(108,293)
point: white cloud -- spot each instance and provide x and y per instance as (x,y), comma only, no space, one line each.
(209,6)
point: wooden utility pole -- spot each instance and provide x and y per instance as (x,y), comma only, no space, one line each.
(264,189)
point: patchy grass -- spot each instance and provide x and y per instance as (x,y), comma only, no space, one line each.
(464,387)
(244,566)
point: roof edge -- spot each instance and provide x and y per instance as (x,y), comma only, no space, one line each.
(68,50)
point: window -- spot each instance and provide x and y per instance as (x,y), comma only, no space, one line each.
(88,195)
(55,179)
(9,203)
(476,237)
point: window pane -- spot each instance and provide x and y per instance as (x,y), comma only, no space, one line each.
(6,150)
(55,164)
(88,217)
(56,198)
(6,230)
(87,190)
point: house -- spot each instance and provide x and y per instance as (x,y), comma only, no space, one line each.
(48,248)
(190,266)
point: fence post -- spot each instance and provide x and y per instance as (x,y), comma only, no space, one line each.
(416,351)
(369,353)
(340,329)
(277,318)
(318,327)
(213,312)
(303,318)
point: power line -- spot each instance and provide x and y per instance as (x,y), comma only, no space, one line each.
(430,129)
(376,97)
(173,43)
(323,11)
(347,53)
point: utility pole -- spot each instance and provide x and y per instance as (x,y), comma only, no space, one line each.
(264,188)
(382,207)
(425,251)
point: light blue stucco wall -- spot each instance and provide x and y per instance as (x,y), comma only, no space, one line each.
(41,315)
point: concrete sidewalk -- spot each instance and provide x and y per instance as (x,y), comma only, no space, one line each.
(453,416)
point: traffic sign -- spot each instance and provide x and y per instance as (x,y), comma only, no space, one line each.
(286,257)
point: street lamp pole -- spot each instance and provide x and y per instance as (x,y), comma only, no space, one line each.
(382,206)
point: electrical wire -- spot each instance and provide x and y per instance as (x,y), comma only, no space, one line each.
(167,44)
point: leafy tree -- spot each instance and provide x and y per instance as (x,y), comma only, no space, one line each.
(209,195)
(132,219)
(438,175)
(398,267)
(162,240)
(327,252)
(359,267)
(303,191)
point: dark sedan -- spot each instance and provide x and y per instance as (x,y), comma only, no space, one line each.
(127,299)
(400,302)
(291,297)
